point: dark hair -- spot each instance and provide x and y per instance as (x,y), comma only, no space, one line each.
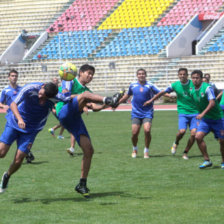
(12,71)
(51,89)
(86,67)
(183,69)
(199,72)
(208,75)
(141,69)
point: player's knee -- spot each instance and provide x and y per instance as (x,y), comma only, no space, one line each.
(198,138)
(182,131)
(2,154)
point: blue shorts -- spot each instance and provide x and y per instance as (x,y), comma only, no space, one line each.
(24,140)
(185,120)
(216,126)
(70,118)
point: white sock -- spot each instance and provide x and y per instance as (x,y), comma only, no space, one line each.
(72,149)
(104,100)
(135,148)
(146,150)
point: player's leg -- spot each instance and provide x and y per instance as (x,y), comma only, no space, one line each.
(203,148)
(4,148)
(71,150)
(24,144)
(182,127)
(190,143)
(193,123)
(87,97)
(88,150)
(147,123)
(60,136)
(136,125)
(52,130)
(221,142)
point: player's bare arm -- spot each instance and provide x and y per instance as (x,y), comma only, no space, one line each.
(157,96)
(15,111)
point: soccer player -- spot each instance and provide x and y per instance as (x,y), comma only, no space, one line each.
(186,108)
(7,96)
(28,115)
(141,91)
(210,114)
(69,115)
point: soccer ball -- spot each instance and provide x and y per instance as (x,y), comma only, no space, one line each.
(68,71)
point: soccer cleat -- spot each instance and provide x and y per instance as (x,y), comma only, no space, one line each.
(51,131)
(174,148)
(205,164)
(70,151)
(30,157)
(4,182)
(222,166)
(83,190)
(134,154)
(146,155)
(60,137)
(114,100)
(185,156)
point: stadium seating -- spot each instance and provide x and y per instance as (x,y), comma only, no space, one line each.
(184,10)
(133,13)
(82,15)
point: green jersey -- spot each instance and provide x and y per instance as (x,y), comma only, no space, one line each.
(77,88)
(185,105)
(221,103)
(202,96)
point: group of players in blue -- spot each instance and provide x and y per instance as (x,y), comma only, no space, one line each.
(31,105)
(197,108)
(28,114)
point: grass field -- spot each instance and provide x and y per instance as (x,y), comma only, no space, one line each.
(163,189)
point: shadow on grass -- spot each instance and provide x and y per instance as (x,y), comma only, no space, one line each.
(35,163)
(75,199)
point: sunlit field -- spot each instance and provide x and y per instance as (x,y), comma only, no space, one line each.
(161,189)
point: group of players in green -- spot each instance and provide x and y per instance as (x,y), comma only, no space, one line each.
(196,103)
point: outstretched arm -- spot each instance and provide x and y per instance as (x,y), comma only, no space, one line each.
(157,96)
(220,95)
(15,111)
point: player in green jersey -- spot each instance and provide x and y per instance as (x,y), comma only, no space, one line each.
(210,114)
(186,109)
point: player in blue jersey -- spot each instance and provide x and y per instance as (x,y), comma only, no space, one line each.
(141,91)
(210,114)
(7,96)
(70,116)
(28,115)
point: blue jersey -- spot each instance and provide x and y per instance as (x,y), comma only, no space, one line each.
(67,85)
(33,114)
(142,93)
(8,94)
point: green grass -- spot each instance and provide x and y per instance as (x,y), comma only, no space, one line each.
(163,189)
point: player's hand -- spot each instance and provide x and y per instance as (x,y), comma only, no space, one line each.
(199,116)
(21,124)
(85,110)
(147,103)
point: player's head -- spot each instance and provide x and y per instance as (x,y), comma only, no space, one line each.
(13,76)
(55,81)
(86,73)
(204,79)
(183,75)
(197,76)
(141,75)
(207,76)
(48,90)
